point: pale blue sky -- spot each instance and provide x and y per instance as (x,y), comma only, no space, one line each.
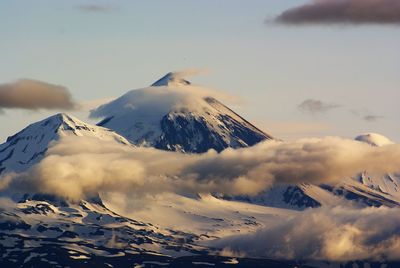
(273,68)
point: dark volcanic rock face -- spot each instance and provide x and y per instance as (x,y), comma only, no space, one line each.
(283,196)
(295,196)
(194,133)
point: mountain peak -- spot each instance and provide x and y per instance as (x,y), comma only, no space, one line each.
(29,146)
(171,78)
(63,119)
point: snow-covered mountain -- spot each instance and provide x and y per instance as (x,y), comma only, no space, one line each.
(29,146)
(41,230)
(173,115)
(362,190)
(386,185)
(172,230)
(291,196)
(38,233)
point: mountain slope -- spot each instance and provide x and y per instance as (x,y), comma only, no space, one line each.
(291,196)
(29,146)
(372,189)
(365,189)
(39,233)
(172,115)
(218,128)
(387,183)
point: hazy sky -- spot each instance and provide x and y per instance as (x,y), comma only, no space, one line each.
(294,80)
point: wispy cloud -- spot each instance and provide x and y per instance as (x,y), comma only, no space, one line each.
(372,118)
(88,106)
(33,94)
(95,8)
(343,12)
(366,115)
(316,106)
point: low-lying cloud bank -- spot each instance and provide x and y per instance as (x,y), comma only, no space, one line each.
(79,167)
(33,94)
(326,233)
(343,12)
